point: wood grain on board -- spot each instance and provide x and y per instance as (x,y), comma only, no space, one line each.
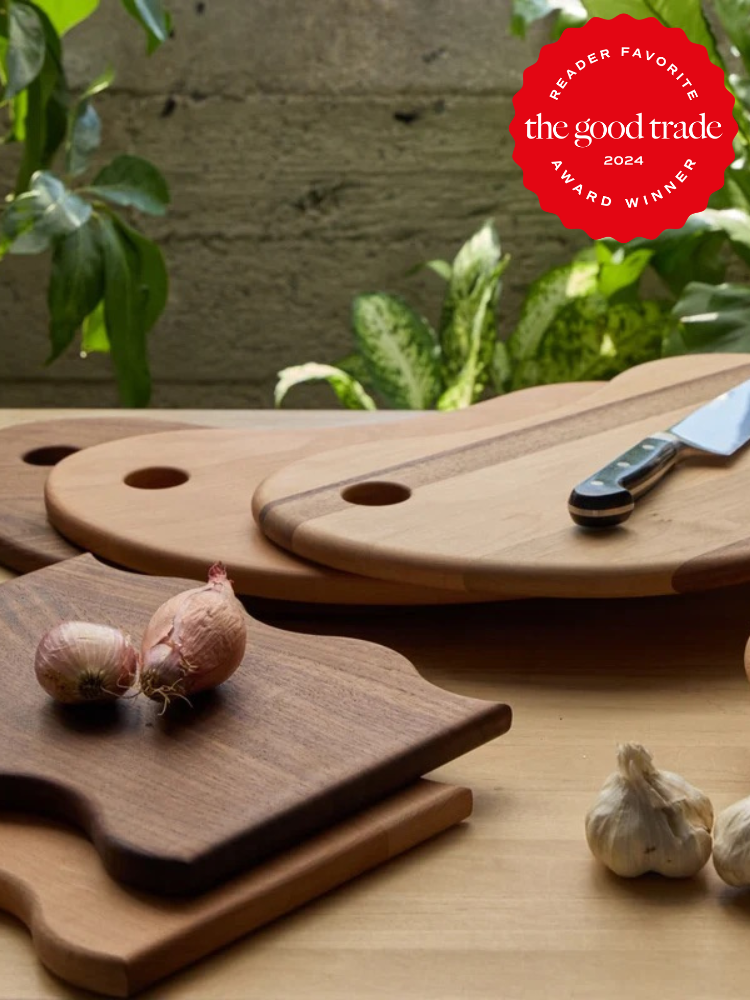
(101,501)
(27,453)
(98,935)
(487,511)
(307,732)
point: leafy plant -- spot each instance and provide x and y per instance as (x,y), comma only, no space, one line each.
(586,319)
(582,321)
(401,360)
(692,263)
(107,280)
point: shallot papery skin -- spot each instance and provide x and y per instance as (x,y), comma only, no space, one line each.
(195,640)
(81,661)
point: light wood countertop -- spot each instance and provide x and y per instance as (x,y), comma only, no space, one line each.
(511,906)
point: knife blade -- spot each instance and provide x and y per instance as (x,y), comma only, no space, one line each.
(608,497)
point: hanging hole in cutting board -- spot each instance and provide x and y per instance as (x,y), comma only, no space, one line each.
(49,455)
(156,478)
(376,494)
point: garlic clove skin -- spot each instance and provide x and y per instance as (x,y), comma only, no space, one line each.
(732,844)
(194,641)
(647,820)
(77,662)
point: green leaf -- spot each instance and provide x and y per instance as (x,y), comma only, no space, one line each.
(348,390)
(46,111)
(732,221)
(34,130)
(685,14)
(737,184)
(84,138)
(622,271)
(693,252)
(45,213)
(354,364)
(715,318)
(18,226)
(66,14)
(546,297)
(152,279)
(19,109)
(526,12)
(568,20)
(124,315)
(478,256)
(55,125)
(696,256)
(84,128)
(399,350)
(76,284)
(735,19)
(471,380)
(26,47)
(99,83)
(94,339)
(477,259)
(502,369)
(132,181)
(440,267)
(151,15)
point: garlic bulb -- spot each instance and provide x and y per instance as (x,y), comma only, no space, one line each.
(194,641)
(81,661)
(732,843)
(646,820)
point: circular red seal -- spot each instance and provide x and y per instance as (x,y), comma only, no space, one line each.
(623,128)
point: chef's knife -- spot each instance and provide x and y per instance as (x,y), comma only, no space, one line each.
(721,427)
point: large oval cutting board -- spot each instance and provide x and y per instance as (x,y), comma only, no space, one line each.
(307,732)
(488,512)
(27,453)
(185,525)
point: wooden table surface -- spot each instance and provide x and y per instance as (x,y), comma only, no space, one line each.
(512,906)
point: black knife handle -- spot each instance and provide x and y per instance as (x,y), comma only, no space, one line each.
(608,497)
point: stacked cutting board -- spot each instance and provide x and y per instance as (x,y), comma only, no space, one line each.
(301,773)
(296,775)
(304,769)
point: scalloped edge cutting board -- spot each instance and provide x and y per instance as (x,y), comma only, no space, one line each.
(308,731)
(96,934)
(27,453)
(179,529)
(487,513)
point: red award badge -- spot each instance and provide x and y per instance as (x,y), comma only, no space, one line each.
(623,128)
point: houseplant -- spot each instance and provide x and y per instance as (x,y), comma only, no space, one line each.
(108,282)
(589,318)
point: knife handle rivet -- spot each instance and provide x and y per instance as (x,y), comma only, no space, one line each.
(597,482)
(648,447)
(623,465)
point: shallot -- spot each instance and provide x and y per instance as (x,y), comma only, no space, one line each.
(194,641)
(82,662)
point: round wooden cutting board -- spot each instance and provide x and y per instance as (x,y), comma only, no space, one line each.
(486,511)
(173,503)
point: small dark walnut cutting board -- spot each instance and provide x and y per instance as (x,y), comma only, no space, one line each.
(171,503)
(96,934)
(308,731)
(487,511)
(27,453)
